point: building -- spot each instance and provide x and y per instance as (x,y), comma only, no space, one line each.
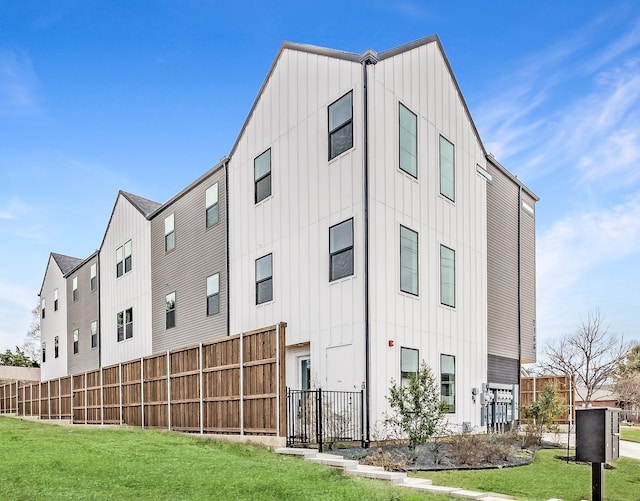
(359,205)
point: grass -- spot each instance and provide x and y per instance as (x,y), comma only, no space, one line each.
(43,461)
(547,477)
(629,433)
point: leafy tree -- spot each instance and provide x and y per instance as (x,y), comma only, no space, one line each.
(17,359)
(627,386)
(416,408)
(631,363)
(591,354)
(31,344)
(544,411)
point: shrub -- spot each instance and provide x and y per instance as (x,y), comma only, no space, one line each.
(543,412)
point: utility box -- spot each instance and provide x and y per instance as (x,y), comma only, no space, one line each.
(597,434)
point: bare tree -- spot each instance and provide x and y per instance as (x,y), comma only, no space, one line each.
(627,385)
(31,343)
(591,354)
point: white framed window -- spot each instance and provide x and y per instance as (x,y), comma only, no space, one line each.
(341,250)
(44,352)
(213,294)
(74,293)
(448,382)
(76,341)
(169,233)
(408,260)
(408,138)
(447,276)
(119,262)
(170,313)
(43,307)
(125,324)
(56,347)
(262,176)
(211,205)
(55,300)
(94,334)
(409,364)
(127,257)
(447,169)
(264,279)
(341,125)
(94,277)
(123,259)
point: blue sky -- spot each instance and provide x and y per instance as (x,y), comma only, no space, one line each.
(144,96)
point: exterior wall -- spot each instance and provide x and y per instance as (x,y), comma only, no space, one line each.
(309,195)
(54,323)
(528,278)
(421,80)
(199,252)
(131,290)
(80,315)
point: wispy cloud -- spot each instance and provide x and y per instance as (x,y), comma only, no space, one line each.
(18,83)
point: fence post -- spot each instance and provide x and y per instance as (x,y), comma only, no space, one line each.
(241,383)
(101,397)
(49,398)
(71,398)
(319,420)
(86,404)
(142,391)
(120,387)
(201,392)
(168,389)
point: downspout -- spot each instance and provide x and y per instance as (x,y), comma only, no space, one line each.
(368,57)
(519,287)
(226,220)
(98,273)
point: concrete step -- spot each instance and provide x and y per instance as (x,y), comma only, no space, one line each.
(377,472)
(296,451)
(416,483)
(467,494)
(331,460)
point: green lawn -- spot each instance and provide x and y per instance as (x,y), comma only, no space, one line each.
(630,433)
(547,478)
(43,461)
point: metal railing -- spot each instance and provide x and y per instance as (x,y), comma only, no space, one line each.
(320,417)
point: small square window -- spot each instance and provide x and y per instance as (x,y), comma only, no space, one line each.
(170,314)
(262,176)
(341,125)
(264,279)
(169,233)
(213,294)
(341,250)
(211,205)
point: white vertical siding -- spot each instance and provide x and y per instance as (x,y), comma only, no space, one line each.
(131,290)
(55,322)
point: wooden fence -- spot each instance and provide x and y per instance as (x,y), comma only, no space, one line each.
(232,385)
(532,387)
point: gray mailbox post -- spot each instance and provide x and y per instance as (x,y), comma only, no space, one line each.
(597,442)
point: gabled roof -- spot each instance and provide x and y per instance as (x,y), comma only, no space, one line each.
(145,206)
(66,263)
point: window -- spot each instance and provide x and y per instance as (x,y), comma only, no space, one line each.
(125,324)
(264,279)
(448,382)
(43,306)
(170,310)
(55,300)
(447,169)
(169,233)
(211,203)
(408,364)
(341,250)
(94,277)
(44,352)
(123,259)
(408,261)
(56,347)
(340,125)
(447,276)
(213,294)
(262,176)
(119,262)
(127,257)
(408,141)
(75,289)
(76,341)
(94,334)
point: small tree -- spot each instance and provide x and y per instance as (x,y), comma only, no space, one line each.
(416,408)
(17,359)
(31,344)
(544,411)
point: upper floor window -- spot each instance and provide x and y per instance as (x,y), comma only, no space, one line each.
(125,324)
(341,250)
(408,260)
(264,279)
(44,352)
(341,125)
(447,169)
(94,334)
(170,314)
(211,205)
(408,141)
(43,307)
(56,347)
(448,381)
(55,300)
(408,364)
(94,277)
(447,276)
(123,259)
(262,176)
(75,289)
(169,233)
(213,294)
(76,341)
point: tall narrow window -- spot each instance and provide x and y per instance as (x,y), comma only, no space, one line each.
(125,324)
(448,382)
(55,300)
(127,257)
(408,261)
(447,169)
(213,294)
(408,141)
(170,314)
(169,233)
(264,279)
(56,347)
(43,307)
(262,176)
(341,250)
(94,277)
(408,364)
(119,262)
(76,341)
(75,289)
(447,276)
(211,205)
(44,352)
(341,125)
(120,323)
(94,334)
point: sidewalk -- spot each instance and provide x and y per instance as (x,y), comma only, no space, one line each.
(627,449)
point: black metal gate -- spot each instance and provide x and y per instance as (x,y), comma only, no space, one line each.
(320,417)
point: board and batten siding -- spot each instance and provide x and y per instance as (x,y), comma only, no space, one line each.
(81,314)
(199,252)
(54,323)
(131,290)
(528,278)
(420,79)
(309,195)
